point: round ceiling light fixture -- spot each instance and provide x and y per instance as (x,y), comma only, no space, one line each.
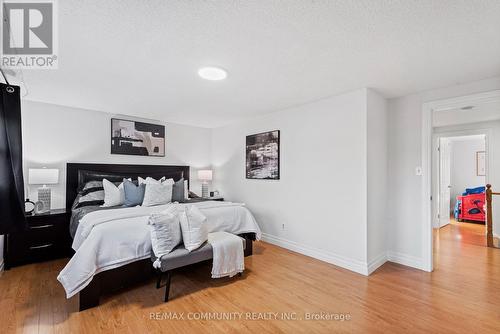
(212,73)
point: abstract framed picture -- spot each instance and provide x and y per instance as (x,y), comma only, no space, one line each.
(263,156)
(137,138)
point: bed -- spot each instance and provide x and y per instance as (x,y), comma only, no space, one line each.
(112,246)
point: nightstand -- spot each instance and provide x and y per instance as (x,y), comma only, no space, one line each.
(201,199)
(45,237)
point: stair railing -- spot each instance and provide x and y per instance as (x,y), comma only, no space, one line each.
(489,215)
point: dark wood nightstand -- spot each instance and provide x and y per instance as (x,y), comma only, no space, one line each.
(45,236)
(201,199)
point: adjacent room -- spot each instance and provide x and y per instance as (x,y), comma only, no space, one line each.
(461,179)
(468,178)
(303,166)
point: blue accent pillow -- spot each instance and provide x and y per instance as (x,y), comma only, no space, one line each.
(134,194)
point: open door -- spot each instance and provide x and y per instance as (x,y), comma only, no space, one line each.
(444,182)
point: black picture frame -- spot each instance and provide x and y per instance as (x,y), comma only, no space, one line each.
(262,155)
(125,145)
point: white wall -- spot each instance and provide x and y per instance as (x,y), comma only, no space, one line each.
(463,166)
(377,179)
(407,227)
(54,135)
(321,199)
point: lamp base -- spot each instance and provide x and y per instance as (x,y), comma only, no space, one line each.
(204,190)
(44,197)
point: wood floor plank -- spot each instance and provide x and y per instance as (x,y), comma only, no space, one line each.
(460,296)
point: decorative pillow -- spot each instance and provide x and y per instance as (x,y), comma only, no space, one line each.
(134,195)
(178,191)
(186,190)
(194,230)
(165,231)
(92,198)
(167,180)
(113,195)
(91,194)
(91,185)
(148,180)
(157,194)
(98,184)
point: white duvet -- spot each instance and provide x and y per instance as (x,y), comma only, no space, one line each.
(109,239)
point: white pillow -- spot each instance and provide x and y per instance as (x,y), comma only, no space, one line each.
(157,193)
(194,230)
(113,195)
(165,231)
(167,181)
(149,179)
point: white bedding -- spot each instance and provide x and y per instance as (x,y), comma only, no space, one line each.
(112,238)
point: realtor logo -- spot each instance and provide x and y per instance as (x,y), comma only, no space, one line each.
(29,39)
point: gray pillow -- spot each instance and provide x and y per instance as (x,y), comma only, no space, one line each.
(92,184)
(91,194)
(95,195)
(178,191)
(98,184)
(133,194)
(165,231)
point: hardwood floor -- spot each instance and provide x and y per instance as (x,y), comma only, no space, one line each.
(461,296)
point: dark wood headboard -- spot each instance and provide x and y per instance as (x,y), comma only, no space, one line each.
(79,173)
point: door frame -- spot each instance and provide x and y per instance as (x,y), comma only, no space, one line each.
(426,194)
(437,164)
(435,179)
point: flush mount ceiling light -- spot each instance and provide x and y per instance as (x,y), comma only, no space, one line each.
(212,73)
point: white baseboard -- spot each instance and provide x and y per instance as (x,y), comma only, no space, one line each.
(406,260)
(344,262)
(338,260)
(377,262)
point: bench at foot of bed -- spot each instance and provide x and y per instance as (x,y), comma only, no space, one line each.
(181,257)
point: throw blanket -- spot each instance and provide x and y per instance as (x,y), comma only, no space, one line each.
(228,258)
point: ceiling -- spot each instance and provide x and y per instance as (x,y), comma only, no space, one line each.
(466,138)
(477,112)
(141,57)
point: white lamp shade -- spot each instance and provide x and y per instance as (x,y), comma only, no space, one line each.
(43,176)
(205,175)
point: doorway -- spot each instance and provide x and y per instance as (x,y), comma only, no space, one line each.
(465,115)
(460,176)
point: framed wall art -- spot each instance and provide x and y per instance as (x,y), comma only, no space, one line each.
(137,138)
(263,156)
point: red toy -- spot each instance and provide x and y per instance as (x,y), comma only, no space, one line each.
(472,207)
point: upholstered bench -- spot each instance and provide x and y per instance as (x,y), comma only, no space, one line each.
(181,257)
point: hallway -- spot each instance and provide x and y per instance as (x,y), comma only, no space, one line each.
(462,244)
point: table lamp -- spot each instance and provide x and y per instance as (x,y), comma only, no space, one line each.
(43,176)
(204,176)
